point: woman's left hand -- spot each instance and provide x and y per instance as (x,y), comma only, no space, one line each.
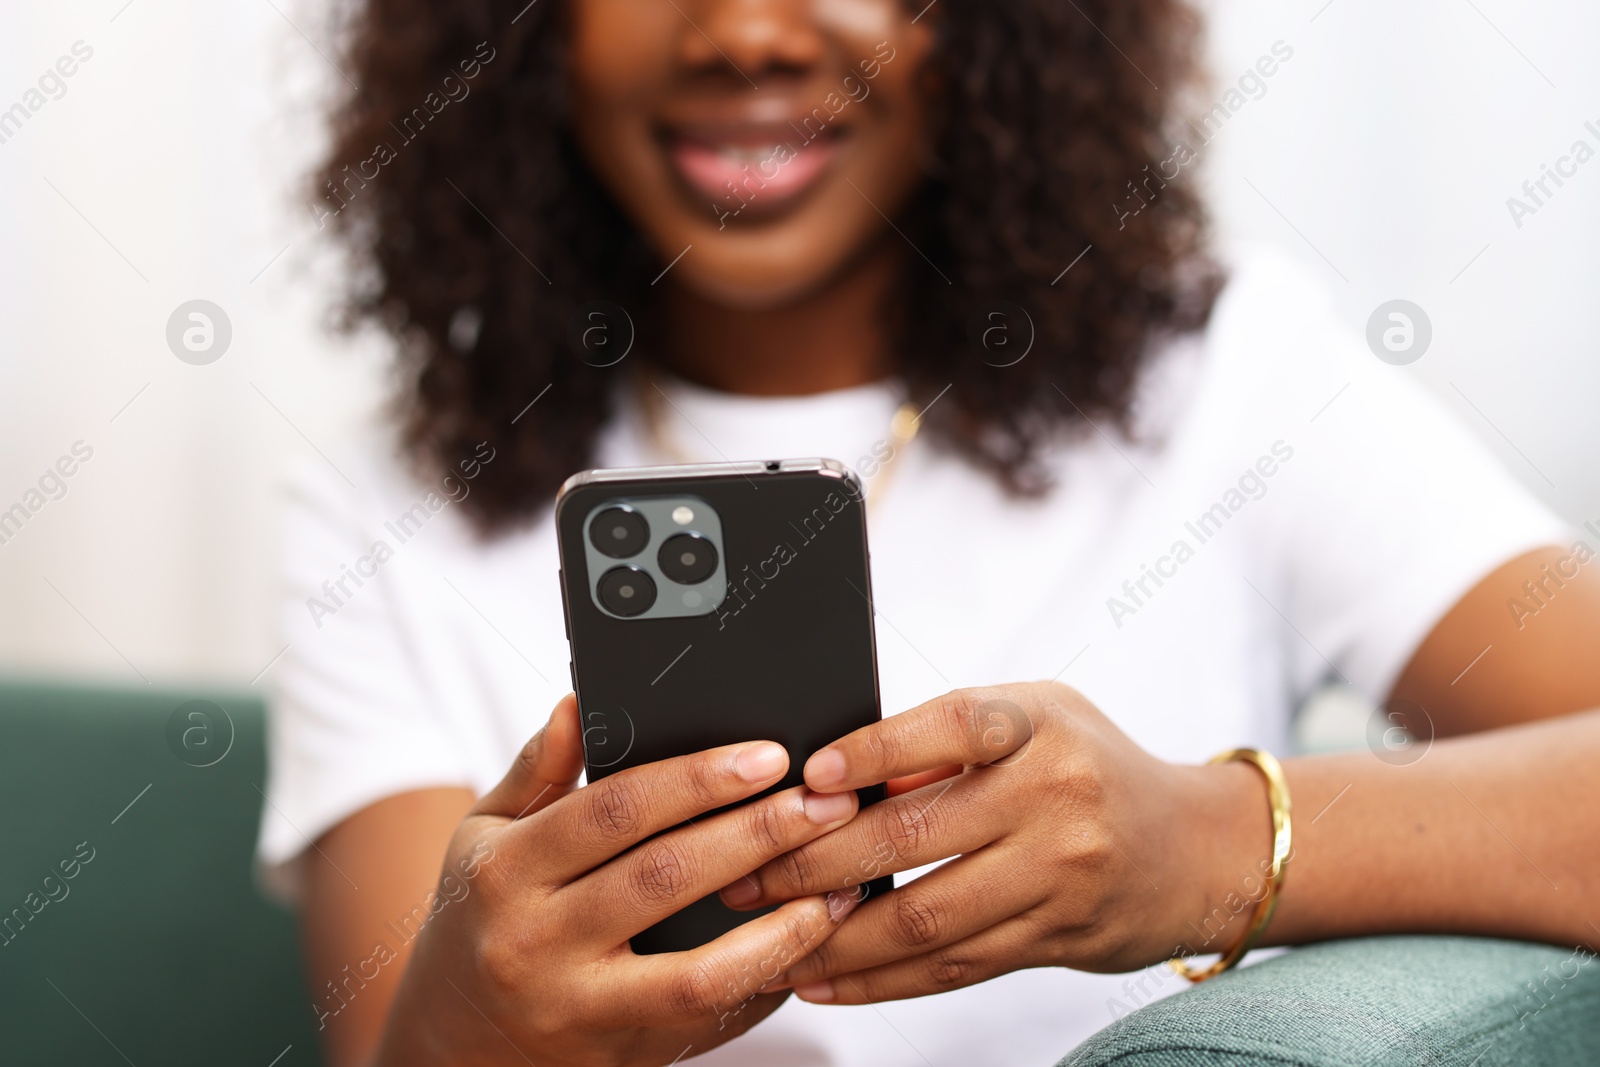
(1074,847)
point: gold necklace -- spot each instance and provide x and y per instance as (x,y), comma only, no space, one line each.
(903,427)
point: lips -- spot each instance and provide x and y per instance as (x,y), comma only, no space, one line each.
(751,170)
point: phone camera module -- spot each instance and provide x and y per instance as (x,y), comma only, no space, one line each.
(619,532)
(627,591)
(653,556)
(687,559)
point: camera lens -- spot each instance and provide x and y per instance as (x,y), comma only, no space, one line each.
(627,591)
(687,559)
(619,532)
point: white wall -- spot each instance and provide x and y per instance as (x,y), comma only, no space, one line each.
(1390,142)
(178,141)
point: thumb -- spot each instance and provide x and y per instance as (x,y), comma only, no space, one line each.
(544,771)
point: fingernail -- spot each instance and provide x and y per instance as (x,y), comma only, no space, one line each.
(842,903)
(816,992)
(740,893)
(825,768)
(758,763)
(825,809)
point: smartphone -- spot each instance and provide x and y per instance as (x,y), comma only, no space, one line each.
(712,604)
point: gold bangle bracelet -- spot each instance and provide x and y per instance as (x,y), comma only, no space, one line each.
(1282,841)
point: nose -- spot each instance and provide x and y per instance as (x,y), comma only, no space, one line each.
(752,37)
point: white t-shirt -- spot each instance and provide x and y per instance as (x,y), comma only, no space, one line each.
(1291,507)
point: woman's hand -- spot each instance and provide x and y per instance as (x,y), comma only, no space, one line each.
(1076,848)
(532,964)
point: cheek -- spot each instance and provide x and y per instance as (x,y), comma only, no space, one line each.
(618,50)
(901,106)
(861,19)
(620,57)
(900,94)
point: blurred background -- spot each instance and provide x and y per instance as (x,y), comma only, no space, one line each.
(167,167)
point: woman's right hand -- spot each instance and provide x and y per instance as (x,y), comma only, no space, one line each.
(533,963)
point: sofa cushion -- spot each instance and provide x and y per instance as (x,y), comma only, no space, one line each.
(1374,1002)
(158,948)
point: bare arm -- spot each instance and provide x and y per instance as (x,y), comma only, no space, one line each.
(365,884)
(1492,830)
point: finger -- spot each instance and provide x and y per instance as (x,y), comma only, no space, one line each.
(954,903)
(723,978)
(912,782)
(670,872)
(581,831)
(968,726)
(544,771)
(934,823)
(996,951)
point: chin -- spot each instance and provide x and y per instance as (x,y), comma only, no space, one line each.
(759,271)
(780,260)
(753,286)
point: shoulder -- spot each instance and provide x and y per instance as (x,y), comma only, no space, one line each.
(1274,328)
(1273,343)
(365,483)
(1276,349)
(1268,295)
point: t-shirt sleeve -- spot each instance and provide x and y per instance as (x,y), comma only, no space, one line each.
(1391,509)
(348,721)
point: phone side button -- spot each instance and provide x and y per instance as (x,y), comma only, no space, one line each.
(572,669)
(566,622)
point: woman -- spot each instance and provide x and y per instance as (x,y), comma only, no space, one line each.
(608,232)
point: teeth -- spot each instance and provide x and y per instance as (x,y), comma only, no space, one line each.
(741,155)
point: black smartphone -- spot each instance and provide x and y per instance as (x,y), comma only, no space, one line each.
(713,604)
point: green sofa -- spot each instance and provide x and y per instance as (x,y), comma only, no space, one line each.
(1373,1002)
(159,949)
(131,931)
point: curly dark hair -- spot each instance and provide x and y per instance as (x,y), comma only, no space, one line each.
(486,232)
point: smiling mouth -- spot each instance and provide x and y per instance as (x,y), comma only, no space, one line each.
(755,171)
